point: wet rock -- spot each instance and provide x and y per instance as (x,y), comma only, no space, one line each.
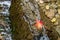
(59,11)
(37,0)
(42,5)
(58,38)
(58,29)
(46,0)
(57,15)
(53,0)
(56,23)
(3,22)
(47,6)
(58,26)
(1,37)
(53,5)
(58,3)
(58,20)
(47,13)
(50,13)
(41,1)
(53,20)
(31,6)
(26,0)
(36,6)
(29,36)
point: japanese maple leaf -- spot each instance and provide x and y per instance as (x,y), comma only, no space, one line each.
(38,24)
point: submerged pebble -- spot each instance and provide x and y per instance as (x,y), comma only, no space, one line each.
(46,0)
(41,1)
(58,29)
(47,6)
(50,13)
(57,15)
(56,23)
(53,20)
(59,11)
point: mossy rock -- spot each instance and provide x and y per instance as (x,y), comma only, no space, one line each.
(20,29)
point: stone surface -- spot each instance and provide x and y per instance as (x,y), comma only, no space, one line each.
(1,37)
(58,38)
(56,23)
(21,30)
(47,0)
(50,13)
(58,11)
(47,6)
(53,20)
(53,5)
(58,29)
(57,15)
(41,1)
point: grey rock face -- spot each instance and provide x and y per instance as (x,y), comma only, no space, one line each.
(31,14)
(5,30)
